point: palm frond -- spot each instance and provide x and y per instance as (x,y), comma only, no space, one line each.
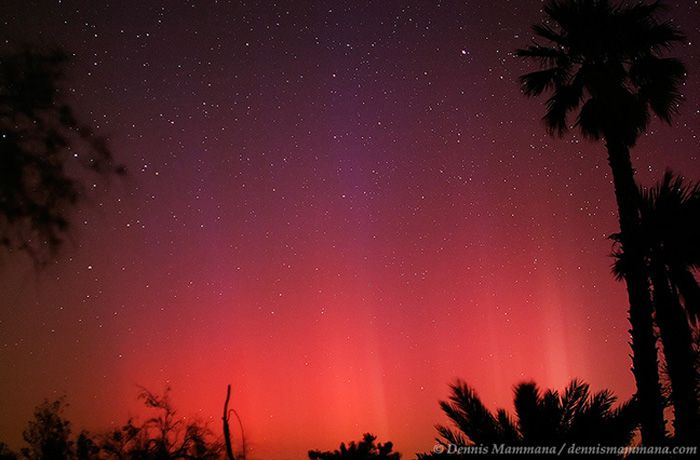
(509,431)
(573,400)
(550,34)
(622,423)
(600,404)
(550,414)
(450,436)
(619,266)
(526,402)
(535,83)
(663,36)
(690,292)
(546,55)
(589,119)
(641,33)
(470,415)
(659,81)
(564,99)
(568,14)
(640,39)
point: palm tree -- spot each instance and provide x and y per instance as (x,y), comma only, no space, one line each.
(546,420)
(603,61)
(670,225)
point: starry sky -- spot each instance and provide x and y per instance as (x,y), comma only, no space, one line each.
(338,207)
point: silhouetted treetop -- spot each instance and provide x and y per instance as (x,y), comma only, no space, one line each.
(606,59)
(6,453)
(48,434)
(364,450)
(541,419)
(164,436)
(43,148)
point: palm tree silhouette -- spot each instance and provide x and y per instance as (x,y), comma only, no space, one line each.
(603,61)
(670,225)
(548,419)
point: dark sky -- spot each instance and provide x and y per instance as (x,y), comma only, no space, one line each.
(338,207)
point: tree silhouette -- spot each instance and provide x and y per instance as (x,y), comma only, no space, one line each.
(43,147)
(604,61)
(670,231)
(548,419)
(364,450)
(86,448)
(227,430)
(165,436)
(48,434)
(6,453)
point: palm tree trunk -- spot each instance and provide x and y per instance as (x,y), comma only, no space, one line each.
(645,366)
(677,339)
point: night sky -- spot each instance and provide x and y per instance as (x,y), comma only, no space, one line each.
(337,207)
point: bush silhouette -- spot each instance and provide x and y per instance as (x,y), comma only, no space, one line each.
(6,453)
(164,436)
(365,449)
(48,434)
